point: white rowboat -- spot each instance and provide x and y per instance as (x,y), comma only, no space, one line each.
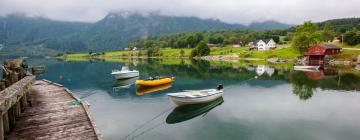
(196,96)
(125,73)
(306,68)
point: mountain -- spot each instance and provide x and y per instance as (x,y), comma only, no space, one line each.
(269,25)
(33,36)
(116,30)
(21,35)
(342,25)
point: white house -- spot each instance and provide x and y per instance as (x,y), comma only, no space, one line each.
(264,44)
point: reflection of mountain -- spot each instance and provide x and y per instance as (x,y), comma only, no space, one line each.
(187,112)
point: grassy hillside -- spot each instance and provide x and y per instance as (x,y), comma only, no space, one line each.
(243,52)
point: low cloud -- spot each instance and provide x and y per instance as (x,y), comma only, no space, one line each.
(232,11)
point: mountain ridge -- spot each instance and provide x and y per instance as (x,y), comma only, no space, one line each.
(41,36)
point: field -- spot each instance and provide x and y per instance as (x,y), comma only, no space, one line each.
(283,52)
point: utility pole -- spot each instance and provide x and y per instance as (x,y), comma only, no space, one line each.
(342,40)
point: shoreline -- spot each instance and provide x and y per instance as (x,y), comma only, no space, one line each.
(227,58)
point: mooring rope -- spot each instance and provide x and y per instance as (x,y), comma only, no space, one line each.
(147,122)
(147,130)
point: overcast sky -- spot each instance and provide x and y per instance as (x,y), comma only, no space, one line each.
(232,11)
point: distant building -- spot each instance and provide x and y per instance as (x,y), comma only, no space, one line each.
(126,49)
(317,53)
(134,49)
(236,46)
(264,44)
(212,45)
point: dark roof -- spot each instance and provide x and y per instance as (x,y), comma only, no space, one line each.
(265,40)
(330,46)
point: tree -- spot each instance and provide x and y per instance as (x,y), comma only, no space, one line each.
(200,50)
(190,41)
(306,36)
(198,37)
(216,39)
(328,33)
(352,37)
(182,53)
(181,43)
(203,49)
(276,38)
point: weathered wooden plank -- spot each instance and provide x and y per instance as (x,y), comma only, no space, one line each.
(51,124)
(51,116)
(39,110)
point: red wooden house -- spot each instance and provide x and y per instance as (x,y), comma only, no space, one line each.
(318,52)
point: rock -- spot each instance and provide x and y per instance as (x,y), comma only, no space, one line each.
(357,67)
(273,60)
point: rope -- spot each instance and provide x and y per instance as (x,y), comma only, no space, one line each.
(147,130)
(147,122)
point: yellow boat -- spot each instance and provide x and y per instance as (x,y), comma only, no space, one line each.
(154,82)
(149,89)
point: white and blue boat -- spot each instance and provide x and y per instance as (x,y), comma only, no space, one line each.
(125,73)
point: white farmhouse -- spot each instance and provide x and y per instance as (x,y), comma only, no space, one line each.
(265,44)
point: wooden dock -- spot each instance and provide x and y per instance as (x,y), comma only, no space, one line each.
(53,112)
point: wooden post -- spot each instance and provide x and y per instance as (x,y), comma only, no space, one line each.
(2,132)
(17,109)
(5,119)
(11,113)
(13,77)
(2,85)
(23,103)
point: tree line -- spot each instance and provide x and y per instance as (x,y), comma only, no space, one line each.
(302,37)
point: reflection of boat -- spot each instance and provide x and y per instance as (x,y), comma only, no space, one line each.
(154,81)
(125,73)
(125,83)
(196,96)
(149,89)
(187,112)
(306,68)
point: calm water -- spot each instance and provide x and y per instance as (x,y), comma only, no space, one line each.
(279,104)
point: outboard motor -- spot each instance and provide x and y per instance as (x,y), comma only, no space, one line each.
(220,87)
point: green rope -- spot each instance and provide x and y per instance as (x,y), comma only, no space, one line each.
(77,102)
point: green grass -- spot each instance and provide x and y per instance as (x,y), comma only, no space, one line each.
(227,50)
(167,52)
(346,45)
(283,53)
(347,55)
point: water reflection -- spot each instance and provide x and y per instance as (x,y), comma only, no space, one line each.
(261,69)
(270,106)
(187,112)
(124,83)
(150,89)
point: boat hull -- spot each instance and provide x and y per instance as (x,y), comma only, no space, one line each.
(186,101)
(306,67)
(149,89)
(154,82)
(187,112)
(125,75)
